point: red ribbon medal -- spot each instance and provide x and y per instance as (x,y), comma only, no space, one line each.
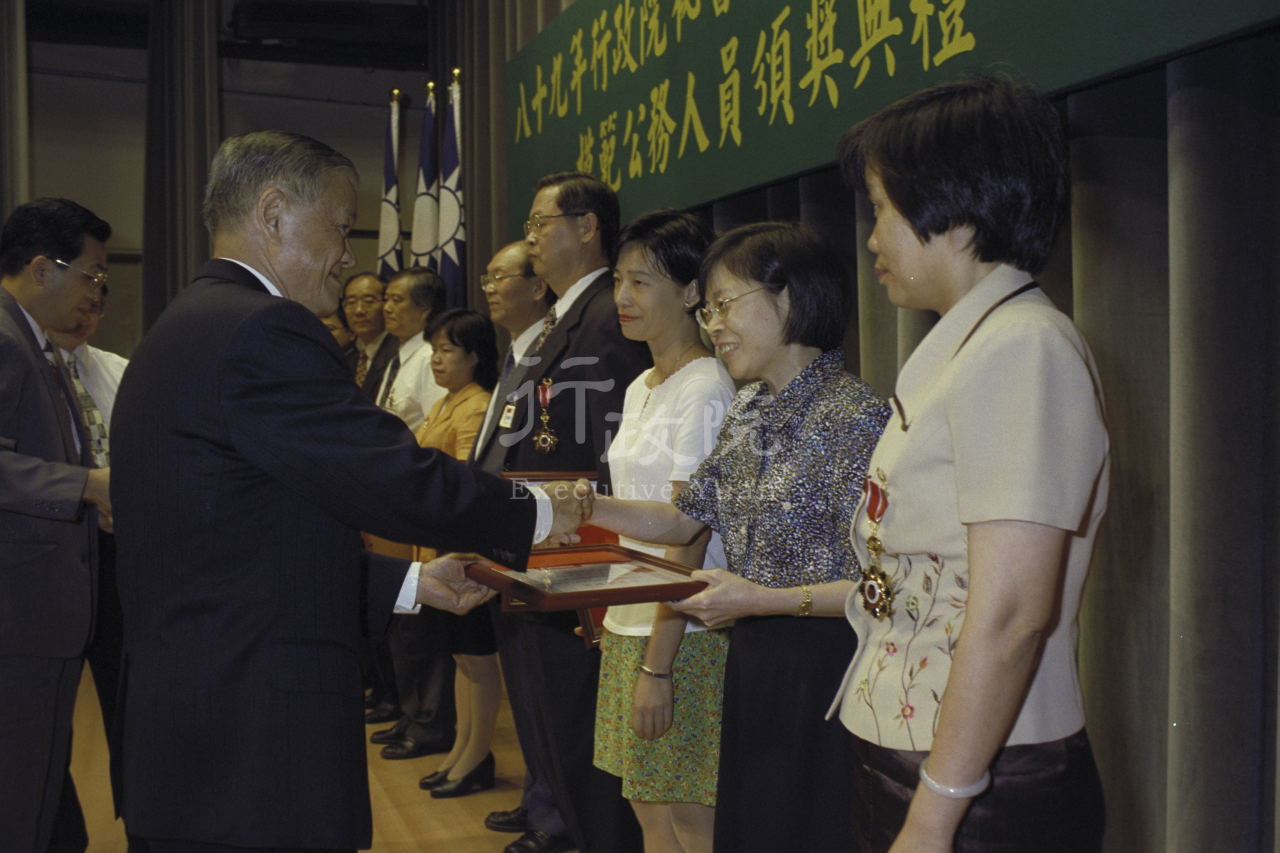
(544,440)
(877,592)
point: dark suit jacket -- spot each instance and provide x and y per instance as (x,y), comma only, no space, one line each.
(590,364)
(244,463)
(377,365)
(48,539)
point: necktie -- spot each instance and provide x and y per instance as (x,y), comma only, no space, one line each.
(65,413)
(508,365)
(392,370)
(93,420)
(362,368)
(548,323)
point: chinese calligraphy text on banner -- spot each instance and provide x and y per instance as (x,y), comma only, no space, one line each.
(678,102)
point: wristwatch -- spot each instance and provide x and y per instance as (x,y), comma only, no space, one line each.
(806,601)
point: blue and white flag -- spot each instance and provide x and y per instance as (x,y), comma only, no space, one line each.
(389,247)
(424,247)
(453,245)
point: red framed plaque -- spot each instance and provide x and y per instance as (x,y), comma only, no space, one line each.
(583,577)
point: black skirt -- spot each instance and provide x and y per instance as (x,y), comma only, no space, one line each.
(1044,798)
(470,634)
(786,774)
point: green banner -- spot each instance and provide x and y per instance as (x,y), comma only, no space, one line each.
(678,102)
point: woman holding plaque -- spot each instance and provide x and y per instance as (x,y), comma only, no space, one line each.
(464,362)
(779,487)
(665,751)
(984,495)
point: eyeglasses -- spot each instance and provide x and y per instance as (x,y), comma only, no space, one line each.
(718,309)
(366,301)
(536,221)
(99,279)
(99,306)
(489,283)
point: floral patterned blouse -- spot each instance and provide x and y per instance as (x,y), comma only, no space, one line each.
(998,416)
(782,483)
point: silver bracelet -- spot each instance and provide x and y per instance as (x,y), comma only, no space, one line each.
(954,793)
(666,676)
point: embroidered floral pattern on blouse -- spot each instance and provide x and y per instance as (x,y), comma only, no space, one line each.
(923,605)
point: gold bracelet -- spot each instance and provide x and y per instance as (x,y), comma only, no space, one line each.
(806,601)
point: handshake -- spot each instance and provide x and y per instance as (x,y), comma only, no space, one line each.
(443,583)
(572,504)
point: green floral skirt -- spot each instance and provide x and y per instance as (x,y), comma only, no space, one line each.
(681,766)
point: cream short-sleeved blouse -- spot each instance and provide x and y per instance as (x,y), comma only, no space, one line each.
(998,416)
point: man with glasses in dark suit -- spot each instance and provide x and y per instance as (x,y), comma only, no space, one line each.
(53,268)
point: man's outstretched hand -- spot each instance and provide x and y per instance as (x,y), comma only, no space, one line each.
(444,585)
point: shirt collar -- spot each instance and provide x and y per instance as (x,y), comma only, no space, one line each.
(940,345)
(564,303)
(372,346)
(525,339)
(41,338)
(797,394)
(271,288)
(76,354)
(411,346)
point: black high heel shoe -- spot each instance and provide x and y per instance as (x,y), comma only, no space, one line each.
(480,778)
(431,780)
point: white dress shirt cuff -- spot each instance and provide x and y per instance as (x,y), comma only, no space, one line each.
(407,602)
(546,514)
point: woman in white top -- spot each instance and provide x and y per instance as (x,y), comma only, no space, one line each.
(666,751)
(409,389)
(984,495)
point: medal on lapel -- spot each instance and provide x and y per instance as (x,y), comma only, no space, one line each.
(877,592)
(544,439)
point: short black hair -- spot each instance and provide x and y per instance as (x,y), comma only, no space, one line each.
(426,289)
(673,240)
(583,193)
(53,227)
(788,255)
(986,151)
(473,332)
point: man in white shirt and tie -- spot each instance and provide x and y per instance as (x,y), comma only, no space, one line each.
(95,376)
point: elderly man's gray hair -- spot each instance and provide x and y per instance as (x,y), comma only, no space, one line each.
(247,165)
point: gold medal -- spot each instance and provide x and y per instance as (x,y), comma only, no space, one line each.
(544,440)
(877,592)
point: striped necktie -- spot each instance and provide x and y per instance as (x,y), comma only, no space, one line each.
(70,440)
(93,420)
(362,367)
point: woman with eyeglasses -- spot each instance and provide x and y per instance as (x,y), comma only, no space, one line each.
(779,488)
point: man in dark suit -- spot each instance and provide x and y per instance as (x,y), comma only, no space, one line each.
(362,300)
(518,301)
(246,461)
(579,382)
(53,264)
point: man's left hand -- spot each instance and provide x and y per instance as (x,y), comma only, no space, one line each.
(444,585)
